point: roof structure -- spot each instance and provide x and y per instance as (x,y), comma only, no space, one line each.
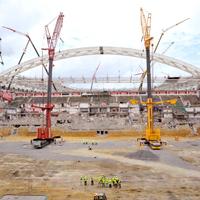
(69,53)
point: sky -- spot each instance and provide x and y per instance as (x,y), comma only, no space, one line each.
(90,23)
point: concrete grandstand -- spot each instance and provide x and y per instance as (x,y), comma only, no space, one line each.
(102,108)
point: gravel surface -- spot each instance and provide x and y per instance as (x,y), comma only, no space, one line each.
(47,153)
(143,155)
(60,152)
(55,172)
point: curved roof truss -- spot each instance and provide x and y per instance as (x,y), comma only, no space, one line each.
(69,53)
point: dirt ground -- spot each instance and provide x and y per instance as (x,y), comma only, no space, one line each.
(172,173)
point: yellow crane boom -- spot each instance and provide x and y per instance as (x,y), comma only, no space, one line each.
(146,28)
(144,23)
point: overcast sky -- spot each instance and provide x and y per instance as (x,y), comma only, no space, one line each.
(101,23)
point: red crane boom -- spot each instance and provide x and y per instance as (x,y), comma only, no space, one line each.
(52,41)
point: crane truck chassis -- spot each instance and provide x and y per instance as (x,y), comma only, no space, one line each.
(39,143)
(153,144)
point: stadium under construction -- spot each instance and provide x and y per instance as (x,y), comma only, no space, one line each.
(69,137)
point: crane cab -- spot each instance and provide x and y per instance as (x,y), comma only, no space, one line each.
(155,145)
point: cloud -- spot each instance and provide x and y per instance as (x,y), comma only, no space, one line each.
(98,23)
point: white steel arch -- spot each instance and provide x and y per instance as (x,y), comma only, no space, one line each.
(86,51)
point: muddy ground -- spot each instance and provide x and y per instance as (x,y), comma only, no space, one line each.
(172,173)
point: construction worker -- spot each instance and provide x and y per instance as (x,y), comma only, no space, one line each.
(115,181)
(85,180)
(104,181)
(119,184)
(112,179)
(99,181)
(81,180)
(92,181)
(109,182)
(118,181)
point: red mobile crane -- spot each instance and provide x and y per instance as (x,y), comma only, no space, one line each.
(44,135)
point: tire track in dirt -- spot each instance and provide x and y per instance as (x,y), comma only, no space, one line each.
(156,166)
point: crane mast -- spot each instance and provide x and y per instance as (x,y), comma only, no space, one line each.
(51,41)
(146,28)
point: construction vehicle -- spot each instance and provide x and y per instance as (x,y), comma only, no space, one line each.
(100,196)
(44,134)
(152,136)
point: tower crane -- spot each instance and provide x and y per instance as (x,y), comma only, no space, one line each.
(152,135)
(44,135)
(24,51)
(161,36)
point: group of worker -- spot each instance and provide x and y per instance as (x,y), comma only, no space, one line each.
(102,181)
(92,143)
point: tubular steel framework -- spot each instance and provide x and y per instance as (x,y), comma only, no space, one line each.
(69,53)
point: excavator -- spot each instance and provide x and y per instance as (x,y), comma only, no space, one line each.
(152,136)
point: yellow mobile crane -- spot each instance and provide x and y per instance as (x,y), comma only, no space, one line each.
(152,135)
